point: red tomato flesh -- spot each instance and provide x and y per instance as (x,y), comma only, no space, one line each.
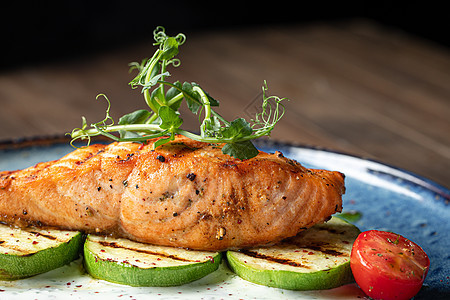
(387,265)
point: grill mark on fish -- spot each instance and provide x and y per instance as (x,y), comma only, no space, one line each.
(90,156)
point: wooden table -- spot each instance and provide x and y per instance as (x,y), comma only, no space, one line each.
(355,87)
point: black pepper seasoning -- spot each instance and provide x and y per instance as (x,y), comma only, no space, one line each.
(191,176)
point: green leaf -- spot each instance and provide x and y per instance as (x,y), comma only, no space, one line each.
(237,129)
(136,117)
(240,150)
(212,101)
(170,119)
(170,48)
(193,100)
(172,93)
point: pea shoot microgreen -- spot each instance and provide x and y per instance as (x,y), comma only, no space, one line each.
(163,119)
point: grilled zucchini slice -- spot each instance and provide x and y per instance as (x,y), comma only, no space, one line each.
(136,264)
(315,259)
(31,251)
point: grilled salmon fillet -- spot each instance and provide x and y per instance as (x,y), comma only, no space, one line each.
(183,194)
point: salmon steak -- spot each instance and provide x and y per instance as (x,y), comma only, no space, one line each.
(183,194)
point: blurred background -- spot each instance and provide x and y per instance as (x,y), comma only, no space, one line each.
(368,79)
(34,32)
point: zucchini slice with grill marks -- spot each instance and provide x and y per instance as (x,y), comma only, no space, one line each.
(31,251)
(126,262)
(317,258)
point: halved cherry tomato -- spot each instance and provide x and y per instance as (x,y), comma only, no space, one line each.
(387,265)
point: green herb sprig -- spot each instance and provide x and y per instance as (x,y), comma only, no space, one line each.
(164,98)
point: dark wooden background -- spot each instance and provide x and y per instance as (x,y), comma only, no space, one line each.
(372,82)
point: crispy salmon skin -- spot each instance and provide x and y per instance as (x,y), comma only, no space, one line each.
(183,194)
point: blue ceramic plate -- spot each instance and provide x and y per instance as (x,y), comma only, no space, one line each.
(387,197)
